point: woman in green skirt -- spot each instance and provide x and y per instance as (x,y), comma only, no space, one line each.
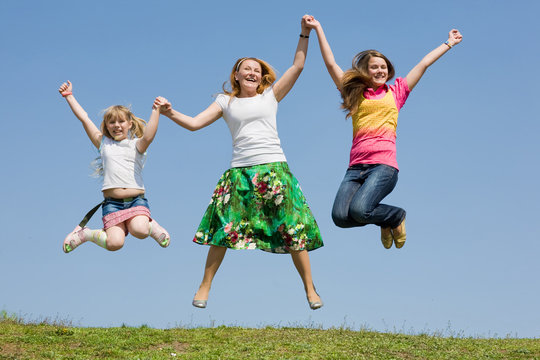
(257,203)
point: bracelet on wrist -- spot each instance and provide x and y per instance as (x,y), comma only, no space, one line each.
(447,43)
(66,93)
(304,36)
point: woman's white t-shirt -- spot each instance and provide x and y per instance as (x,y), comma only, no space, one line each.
(252,122)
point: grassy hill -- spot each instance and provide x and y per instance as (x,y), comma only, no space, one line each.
(19,340)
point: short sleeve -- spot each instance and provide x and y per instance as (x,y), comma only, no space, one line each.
(401,91)
(269,91)
(223,101)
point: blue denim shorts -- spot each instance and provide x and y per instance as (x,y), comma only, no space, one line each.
(111,205)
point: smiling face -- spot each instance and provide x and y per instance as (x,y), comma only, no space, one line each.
(118,127)
(378,71)
(248,76)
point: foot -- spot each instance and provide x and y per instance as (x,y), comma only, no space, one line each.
(200,299)
(400,235)
(201,304)
(386,237)
(159,234)
(314,301)
(74,239)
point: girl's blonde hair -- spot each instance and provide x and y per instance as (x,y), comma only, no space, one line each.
(268,76)
(356,79)
(137,124)
(112,112)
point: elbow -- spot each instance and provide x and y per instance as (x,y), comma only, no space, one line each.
(191,127)
(424,64)
(299,67)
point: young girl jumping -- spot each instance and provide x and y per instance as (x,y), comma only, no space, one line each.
(257,203)
(122,141)
(373,107)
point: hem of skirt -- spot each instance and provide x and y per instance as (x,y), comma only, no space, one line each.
(119,217)
(269,250)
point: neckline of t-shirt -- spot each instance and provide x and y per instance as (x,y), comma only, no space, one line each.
(249,97)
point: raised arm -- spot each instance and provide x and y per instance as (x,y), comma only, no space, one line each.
(66,90)
(151,127)
(205,118)
(333,68)
(286,82)
(454,38)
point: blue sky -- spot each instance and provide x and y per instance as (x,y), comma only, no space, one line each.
(467,150)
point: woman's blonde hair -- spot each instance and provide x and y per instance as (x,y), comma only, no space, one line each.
(356,79)
(268,76)
(112,112)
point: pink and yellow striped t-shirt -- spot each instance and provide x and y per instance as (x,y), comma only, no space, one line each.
(375,123)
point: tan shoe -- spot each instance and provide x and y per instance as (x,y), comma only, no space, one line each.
(401,236)
(386,237)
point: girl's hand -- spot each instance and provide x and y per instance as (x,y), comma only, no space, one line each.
(310,22)
(65,88)
(162,104)
(454,37)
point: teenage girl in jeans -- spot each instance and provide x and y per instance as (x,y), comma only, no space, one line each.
(373,107)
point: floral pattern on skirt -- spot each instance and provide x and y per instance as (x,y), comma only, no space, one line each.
(259,207)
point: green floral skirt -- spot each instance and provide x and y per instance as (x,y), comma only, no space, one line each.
(259,207)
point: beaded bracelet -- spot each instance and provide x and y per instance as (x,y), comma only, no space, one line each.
(304,36)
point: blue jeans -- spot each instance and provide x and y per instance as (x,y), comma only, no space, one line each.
(358,199)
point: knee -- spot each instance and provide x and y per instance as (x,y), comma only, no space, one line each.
(114,244)
(138,233)
(340,220)
(139,228)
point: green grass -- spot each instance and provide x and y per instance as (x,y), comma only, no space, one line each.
(56,340)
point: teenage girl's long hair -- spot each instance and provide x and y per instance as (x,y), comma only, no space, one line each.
(137,124)
(356,79)
(268,76)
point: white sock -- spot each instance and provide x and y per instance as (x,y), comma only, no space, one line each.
(98,237)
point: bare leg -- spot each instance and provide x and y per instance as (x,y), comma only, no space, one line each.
(213,261)
(138,226)
(141,227)
(301,262)
(116,236)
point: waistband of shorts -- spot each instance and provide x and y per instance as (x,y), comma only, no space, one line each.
(129,199)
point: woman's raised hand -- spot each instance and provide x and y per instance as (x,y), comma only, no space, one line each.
(454,37)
